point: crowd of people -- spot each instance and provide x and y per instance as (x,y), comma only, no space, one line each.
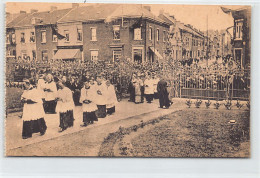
(48,94)
(97,86)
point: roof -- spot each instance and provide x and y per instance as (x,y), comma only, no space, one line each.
(108,12)
(47,17)
(180,25)
(13,19)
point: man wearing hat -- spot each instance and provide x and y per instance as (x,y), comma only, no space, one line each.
(33,113)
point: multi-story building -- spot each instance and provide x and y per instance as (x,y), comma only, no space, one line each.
(241,35)
(112,31)
(96,32)
(186,41)
(35,38)
(11,20)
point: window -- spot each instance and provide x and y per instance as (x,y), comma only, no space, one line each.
(137,34)
(93,34)
(164,36)
(32,37)
(198,53)
(116,32)
(94,55)
(158,34)
(138,54)
(150,33)
(238,29)
(79,35)
(116,55)
(43,36)
(67,35)
(54,36)
(13,38)
(22,38)
(44,55)
(8,40)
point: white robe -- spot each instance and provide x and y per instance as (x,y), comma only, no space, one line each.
(100,99)
(148,86)
(155,82)
(111,96)
(49,96)
(41,84)
(88,94)
(33,111)
(66,102)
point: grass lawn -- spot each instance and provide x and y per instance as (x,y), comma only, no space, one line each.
(13,99)
(197,133)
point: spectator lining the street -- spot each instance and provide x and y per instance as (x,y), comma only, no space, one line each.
(65,106)
(89,108)
(131,89)
(33,113)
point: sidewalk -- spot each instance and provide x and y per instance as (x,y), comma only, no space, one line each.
(124,110)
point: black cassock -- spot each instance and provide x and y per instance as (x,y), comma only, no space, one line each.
(163,93)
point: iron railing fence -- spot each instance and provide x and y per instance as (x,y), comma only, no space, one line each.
(217,85)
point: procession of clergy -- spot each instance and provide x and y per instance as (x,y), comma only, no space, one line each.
(97,98)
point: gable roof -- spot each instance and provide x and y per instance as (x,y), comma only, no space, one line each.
(13,19)
(47,17)
(108,12)
(86,13)
(180,25)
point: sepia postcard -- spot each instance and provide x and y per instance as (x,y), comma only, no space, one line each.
(127,80)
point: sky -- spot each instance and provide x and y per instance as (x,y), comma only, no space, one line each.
(196,15)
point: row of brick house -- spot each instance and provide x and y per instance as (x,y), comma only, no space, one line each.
(104,32)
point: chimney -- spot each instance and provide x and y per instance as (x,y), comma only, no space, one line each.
(54,8)
(161,11)
(75,5)
(22,12)
(148,8)
(34,10)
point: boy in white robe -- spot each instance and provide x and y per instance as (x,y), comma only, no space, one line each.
(111,98)
(33,113)
(148,88)
(65,106)
(100,98)
(50,90)
(88,94)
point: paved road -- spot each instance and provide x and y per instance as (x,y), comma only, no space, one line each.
(126,113)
